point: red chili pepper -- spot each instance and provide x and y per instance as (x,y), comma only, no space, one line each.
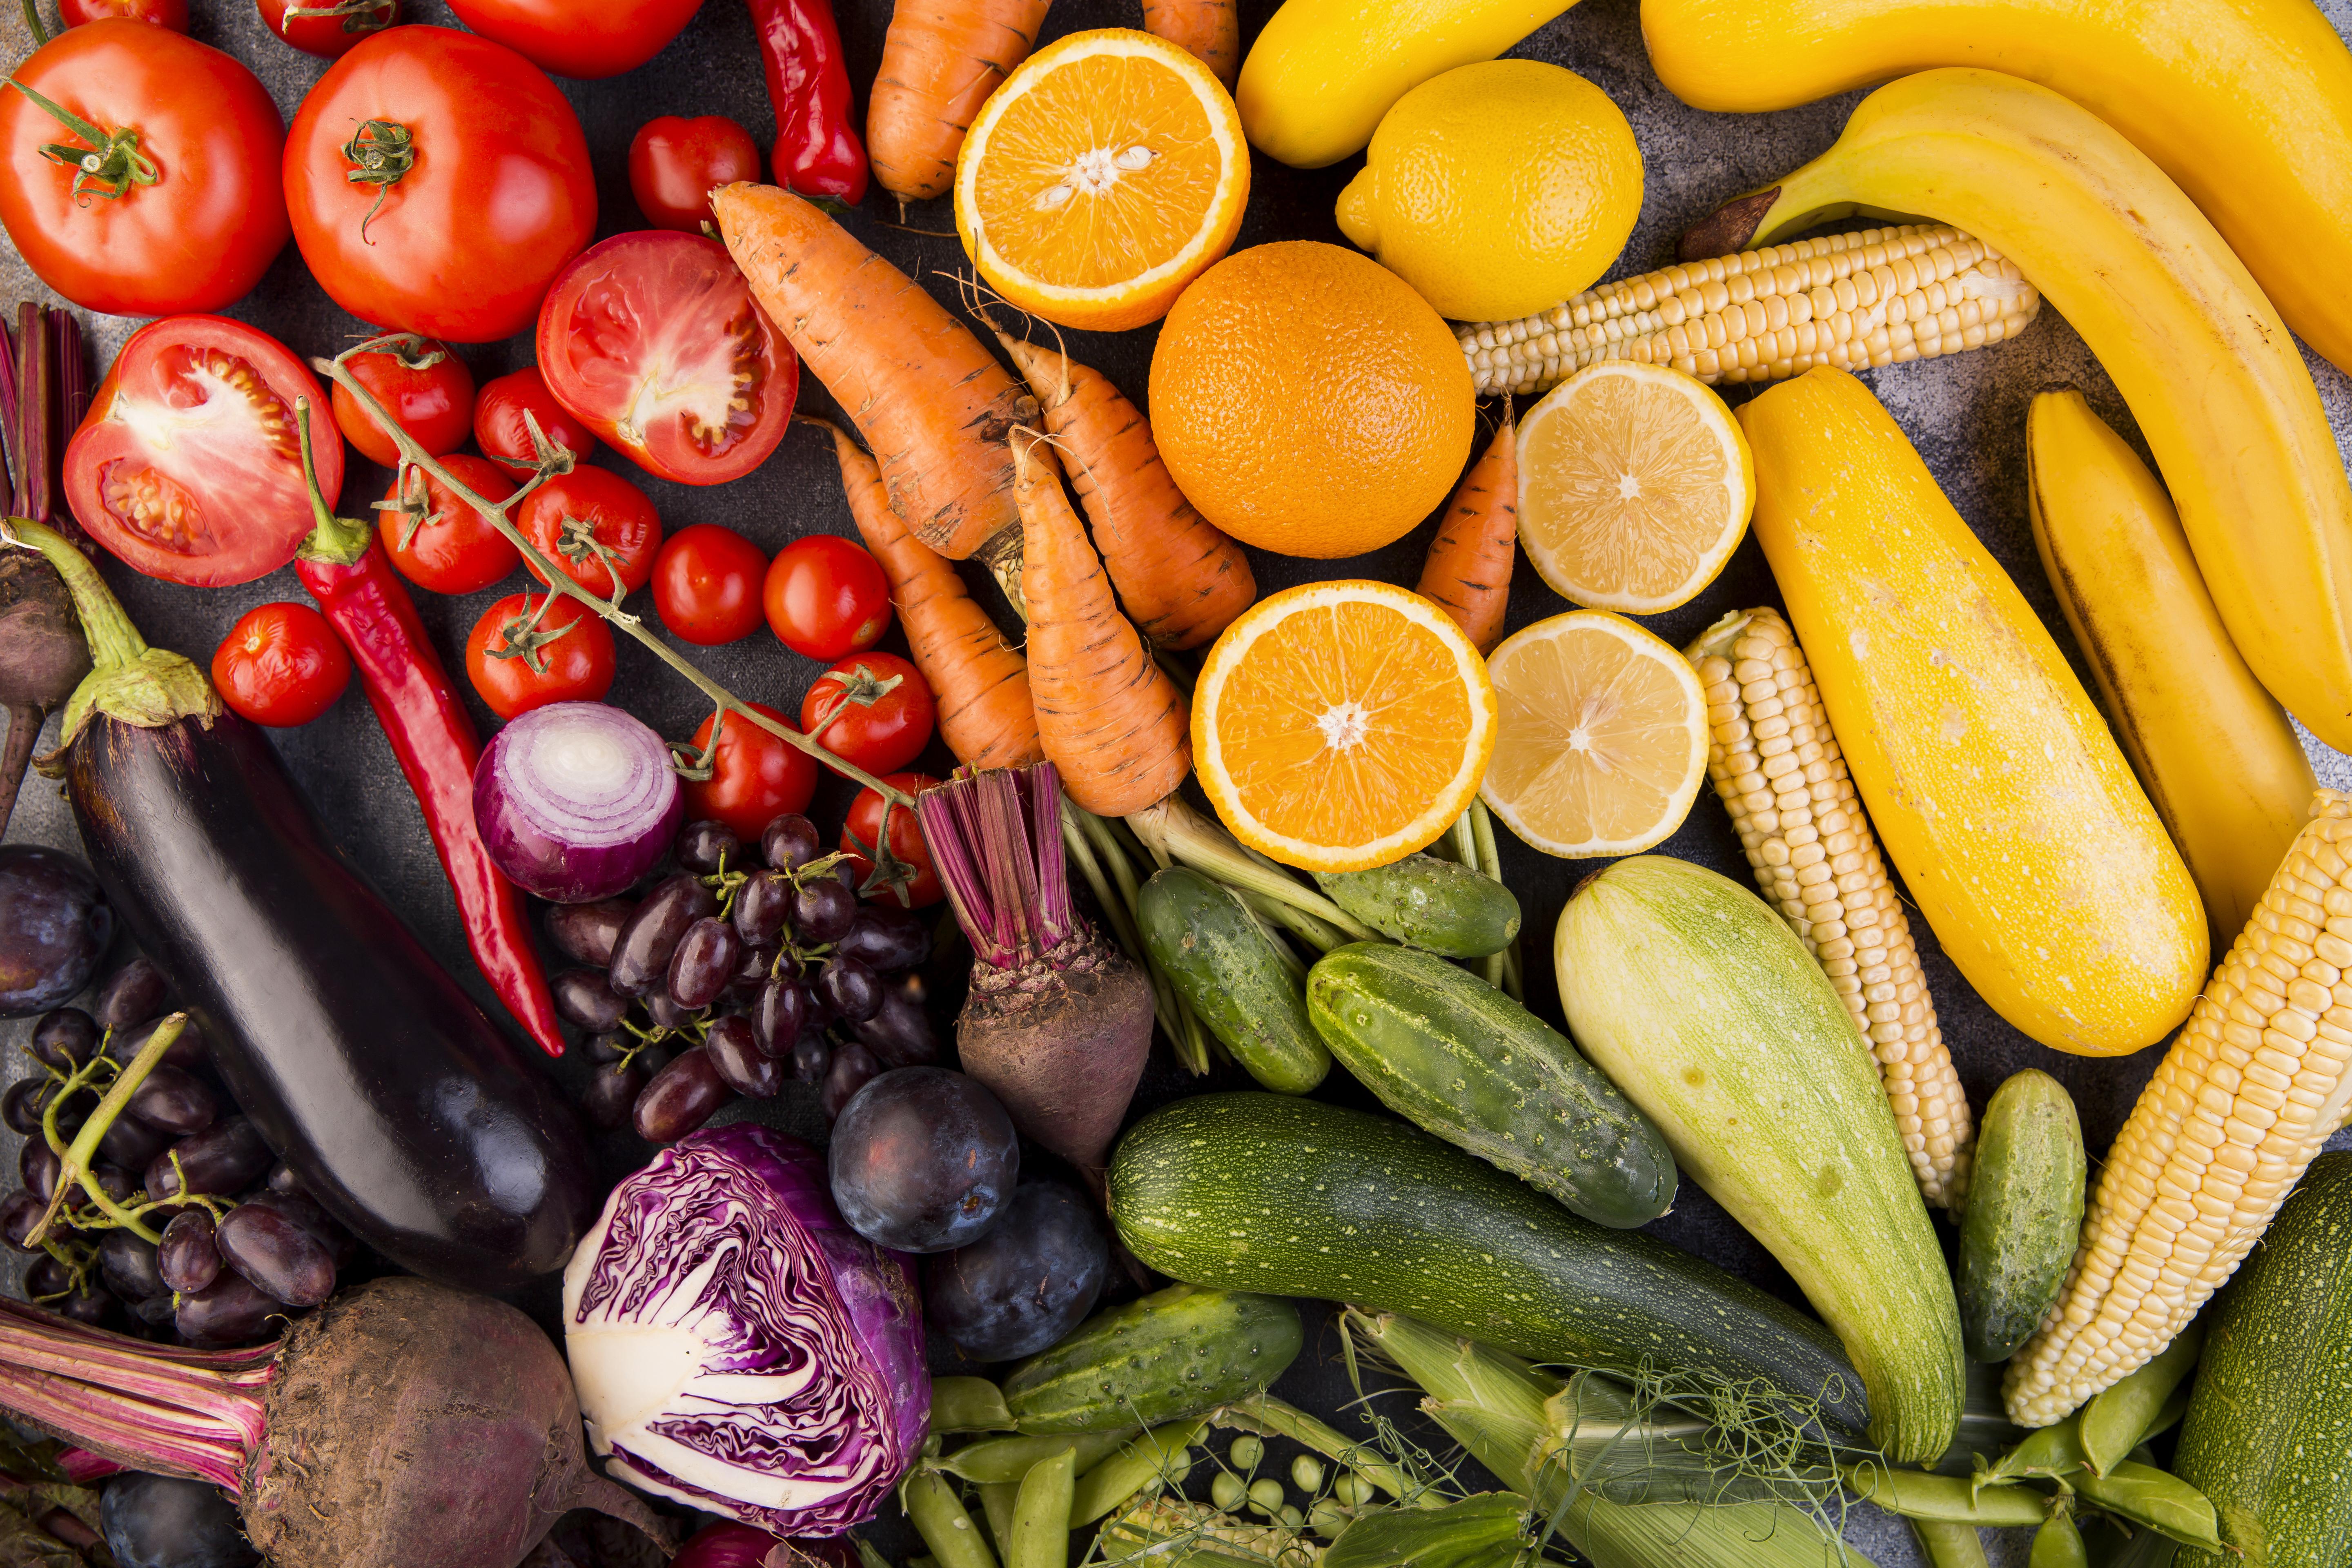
(818,152)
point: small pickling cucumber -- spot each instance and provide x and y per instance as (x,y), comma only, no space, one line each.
(1168,1356)
(1436,905)
(1236,979)
(2024,1214)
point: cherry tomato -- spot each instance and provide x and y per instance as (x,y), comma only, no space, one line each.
(281,665)
(531,650)
(481,193)
(754,776)
(609,508)
(187,465)
(437,541)
(826,597)
(914,881)
(333,35)
(881,712)
(171,14)
(654,338)
(706,584)
(675,164)
(426,388)
(570,38)
(500,430)
(187,216)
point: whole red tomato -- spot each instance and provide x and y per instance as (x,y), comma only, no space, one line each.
(909,879)
(171,14)
(477,190)
(187,465)
(826,597)
(437,541)
(501,433)
(754,776)
(598,39)
(871,709)
(528,650)
(184,210)
(334,34)
(706,584)
(281,665)
(675,164)
(564,513)
(426,388)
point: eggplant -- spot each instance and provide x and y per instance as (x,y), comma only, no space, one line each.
(404,1111)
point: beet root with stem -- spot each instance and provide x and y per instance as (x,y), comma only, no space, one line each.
(1063,1045)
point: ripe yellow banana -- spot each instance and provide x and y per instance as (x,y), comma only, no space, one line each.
(2220,763)
(2216,384)
(2247,104)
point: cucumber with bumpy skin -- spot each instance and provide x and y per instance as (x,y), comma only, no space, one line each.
(1237,982)
(1422,901)
(2024,1214)
(1177,1354)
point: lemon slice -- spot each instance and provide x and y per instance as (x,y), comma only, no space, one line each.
(1634,487)
(1604,736)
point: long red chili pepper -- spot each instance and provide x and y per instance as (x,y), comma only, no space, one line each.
(818,151)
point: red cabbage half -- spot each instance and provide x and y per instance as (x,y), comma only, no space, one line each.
(739,1349)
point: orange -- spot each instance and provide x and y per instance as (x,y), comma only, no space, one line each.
(1338,726)
(1308,402)
(1102,177)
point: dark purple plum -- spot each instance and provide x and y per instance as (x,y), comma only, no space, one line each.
(740,1063)
(162,1521)
(228,1311)
(1027,1283)
(277,1255)
(227,1157)
(612,1090)
(129,1266)
(702,848)
(853,991)
(54,928)
(923,1159)
(703,963)
(65,1038)
(886,939)
(585,934)
(131,995)
(790,841)
(899,1032)
(187,1257)
(680,1098)
(176,1102)
(641,953)
(823,911)
(585,997)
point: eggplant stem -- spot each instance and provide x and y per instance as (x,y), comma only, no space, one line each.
(74,1158)
(24,733)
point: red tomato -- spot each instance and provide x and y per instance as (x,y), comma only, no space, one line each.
(706,584)
(609,508)
(330,37)
(426,388)
(675,164)
(171,14)
(500,430)
(485,188)
(188,467)
(200,212)
(654,338)
(528,651)
(881,712)
(437,541)
(754,776)
(281,665)
(602,39)
(826,597)
(914,881)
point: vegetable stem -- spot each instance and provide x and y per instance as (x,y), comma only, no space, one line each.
(1172,828)
(114,642)
(75,1158)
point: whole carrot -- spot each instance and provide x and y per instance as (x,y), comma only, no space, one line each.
(1468,569)
(940,59)
(1207,30)
(1110,718)
(935,407)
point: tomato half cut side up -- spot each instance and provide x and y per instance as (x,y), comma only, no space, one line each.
(187,465)
(654,341)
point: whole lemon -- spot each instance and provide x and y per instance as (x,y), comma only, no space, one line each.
(1497,189)
(1308,402)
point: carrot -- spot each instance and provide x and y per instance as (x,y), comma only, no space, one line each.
(980,683)
(940,59)
(934,406)
(1181,578)
(1208,29)
(1110,718)
(1468,572)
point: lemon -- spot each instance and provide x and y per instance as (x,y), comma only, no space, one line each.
(1497,189)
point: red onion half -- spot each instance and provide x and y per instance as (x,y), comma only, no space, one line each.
(575,801)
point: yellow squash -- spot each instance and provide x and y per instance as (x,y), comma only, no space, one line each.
(1993,782)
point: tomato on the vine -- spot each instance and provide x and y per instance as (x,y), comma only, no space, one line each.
(706,584)
(187,465)
(564,513)
(182,208)
(905,876)
(871,709)
(528,650)
(501,432)
(826,597)
(344,24)
(437,541)
(281,665)
(171,14)
(575,40)
(675,164)
(755,777)
(426,388)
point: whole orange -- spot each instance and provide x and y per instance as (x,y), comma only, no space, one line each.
(1308,402)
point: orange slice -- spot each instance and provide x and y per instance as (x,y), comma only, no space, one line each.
(1342,725)
(1101,178)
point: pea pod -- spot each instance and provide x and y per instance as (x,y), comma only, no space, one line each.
(1162,1454)
(994,1460)
(1950,1499)
(1435,905)
(968,1404)
(940,1519)
(1041,1515)
(1948,1545)
(2165,1503)
(2058,1544)
(1235,978)
(2118,1419)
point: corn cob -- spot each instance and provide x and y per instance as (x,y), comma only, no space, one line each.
(2250,1089)
(1776,766)
(1878,297)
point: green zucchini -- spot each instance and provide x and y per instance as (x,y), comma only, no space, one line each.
(1176,1354)
(2024,1214)
(1455,1056)
(1237,981)
(1263,1192)
(1426,902)
(1700,1003)
(2269,1427)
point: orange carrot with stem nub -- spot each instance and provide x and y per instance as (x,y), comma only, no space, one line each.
(940,59)
(1207,30)
(1468,571)
(1110,718)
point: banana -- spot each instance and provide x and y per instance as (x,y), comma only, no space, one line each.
(2247,104)
(2216,384)
(2220,763)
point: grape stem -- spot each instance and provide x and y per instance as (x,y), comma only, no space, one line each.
(74,1158)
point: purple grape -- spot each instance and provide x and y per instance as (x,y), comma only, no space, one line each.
(900,1031)
(40,1168)
(760,906)
(189,1051)
(641,953)
(282,1179)
(130,1143)
(922,1159)
(823,911)
(704,962)
(276,1255)
(585,997)
(680,1098)
(64,1038)
(653,1058)
(227,1157)
(612,1091)
(20,1106)
(88,1305)
(131,996)
(585,934)
(155,1312)
(703,846)
(812,1060)
(790,841)
(751,973)
(613,1047)
(341,1245)
(850,989)
(665,1013)
(174,1102)
(738,1060)
(187,1258)
(48,1276)
(129,1266)
(854,1068)
(228,1311)
(19,1213)
(886,939)
(118,1185)
(778,1015)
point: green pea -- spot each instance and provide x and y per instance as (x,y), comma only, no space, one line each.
(1266,1494)
(1354,1490)
(1327,1517)
(1306,1474)
(1247,1454)
(1227,1492)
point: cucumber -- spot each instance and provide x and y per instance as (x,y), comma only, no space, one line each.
(1237,981)
(1455,1056)
(2024,1214)
(1426,902)
(1177,1354)
(2269,1427)
(1263,1192)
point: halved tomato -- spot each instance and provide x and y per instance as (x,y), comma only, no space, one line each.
(187,465)
(654,342)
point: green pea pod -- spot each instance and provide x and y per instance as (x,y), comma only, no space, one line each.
(2118,1419)
(968,1404)
(2044,1454)
(2058,1544)
(1041,1515)
(996,1498)
(1949,1545)
(999,1459)
(938,1517)
(1162,1454)
(1234,976)
(1951,1499)
(2165,1503)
